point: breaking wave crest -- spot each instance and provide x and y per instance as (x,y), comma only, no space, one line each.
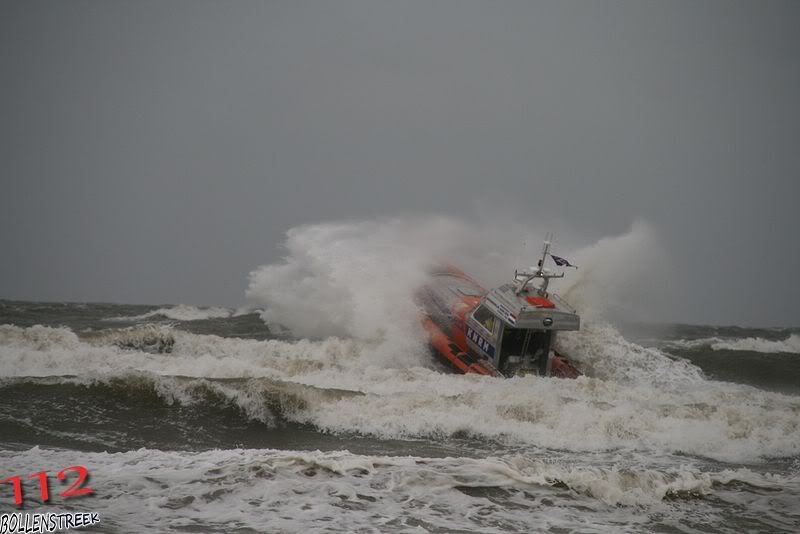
(147,338)
(751,344)
(258,399)
(605,353)
(651,404)
(181,312)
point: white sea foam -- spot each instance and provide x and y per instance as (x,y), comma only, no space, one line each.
(605,353)
(182,312)
(277,491)
(657,405)
(750,344)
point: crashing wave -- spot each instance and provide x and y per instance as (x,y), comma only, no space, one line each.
(182,312)
(633,411)
(146,338)
(750,344)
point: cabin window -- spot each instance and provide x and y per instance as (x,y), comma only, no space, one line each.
(485,318)
(519,342)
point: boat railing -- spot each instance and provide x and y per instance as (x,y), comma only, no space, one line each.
(562,303)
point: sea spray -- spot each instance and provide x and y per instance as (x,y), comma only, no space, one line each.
(359,278)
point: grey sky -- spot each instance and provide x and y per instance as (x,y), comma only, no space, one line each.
(158,151)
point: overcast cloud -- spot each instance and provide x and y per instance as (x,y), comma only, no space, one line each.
(157,152)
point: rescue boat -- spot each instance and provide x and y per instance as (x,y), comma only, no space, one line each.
(506,331)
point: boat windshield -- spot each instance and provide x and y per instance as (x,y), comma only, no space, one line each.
(519,342)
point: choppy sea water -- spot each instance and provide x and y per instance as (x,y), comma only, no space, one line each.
(205,420)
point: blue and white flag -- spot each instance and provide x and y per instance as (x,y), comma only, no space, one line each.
(561,262)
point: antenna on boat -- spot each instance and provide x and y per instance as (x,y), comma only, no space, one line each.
(540,272)
(545,252)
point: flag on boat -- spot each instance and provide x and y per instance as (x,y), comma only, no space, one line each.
(561,262)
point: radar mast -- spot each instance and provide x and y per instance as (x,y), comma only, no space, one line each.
(523,278)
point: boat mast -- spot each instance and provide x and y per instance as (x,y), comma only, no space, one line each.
(540,272)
